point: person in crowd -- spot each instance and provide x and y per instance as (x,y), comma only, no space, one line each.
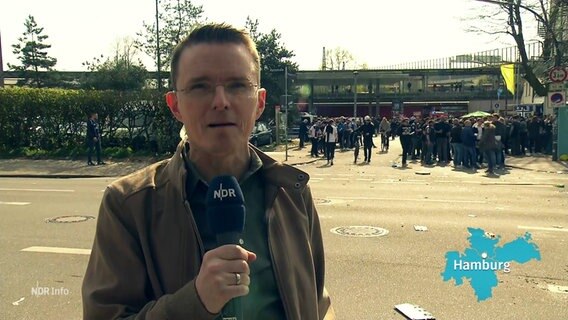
(547,135)
(367,131)
(394,127)
(428,138)
(417,126)
(478,130)
(405,133)
(357,142)
(500,132)
(341,132)
(488,145)
(534,127)
(314,134)
(515,136)
(155,256)
(303,132)
(456,143)
(384,130)
(94,139)
(442,130)
(469,142)
(330,136)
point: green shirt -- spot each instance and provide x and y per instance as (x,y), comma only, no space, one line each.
(263,300)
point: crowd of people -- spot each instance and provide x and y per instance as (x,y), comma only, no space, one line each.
(469,143)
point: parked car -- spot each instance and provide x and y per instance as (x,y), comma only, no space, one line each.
(261,134)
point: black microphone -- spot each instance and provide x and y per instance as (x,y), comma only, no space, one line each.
(226,217)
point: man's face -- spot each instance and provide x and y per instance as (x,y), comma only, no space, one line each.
(217,96)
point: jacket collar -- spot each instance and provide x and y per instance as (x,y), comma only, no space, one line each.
(276,174)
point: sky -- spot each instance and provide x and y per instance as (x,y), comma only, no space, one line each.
(377,33)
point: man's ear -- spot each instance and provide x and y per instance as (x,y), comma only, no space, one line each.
(261,104)
(171,100)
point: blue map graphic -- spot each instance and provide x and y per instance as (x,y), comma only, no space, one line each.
(484,258)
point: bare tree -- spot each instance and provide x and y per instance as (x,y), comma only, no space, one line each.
(506,17)
(338,59)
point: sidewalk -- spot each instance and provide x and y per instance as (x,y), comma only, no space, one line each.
(79,168)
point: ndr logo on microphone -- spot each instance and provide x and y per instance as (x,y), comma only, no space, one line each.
(224,193)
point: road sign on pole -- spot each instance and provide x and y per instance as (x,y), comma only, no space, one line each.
(557,74)
(557,99)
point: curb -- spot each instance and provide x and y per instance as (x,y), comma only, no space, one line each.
(52,176)
(78,175)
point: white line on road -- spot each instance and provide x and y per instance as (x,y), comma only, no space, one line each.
(450,201)
(58,250)
(36,190)
(15,203)
(400,182)
(542,228)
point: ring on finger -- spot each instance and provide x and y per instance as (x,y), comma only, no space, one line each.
(237,278)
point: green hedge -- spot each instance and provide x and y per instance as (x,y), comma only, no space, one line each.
(54,121)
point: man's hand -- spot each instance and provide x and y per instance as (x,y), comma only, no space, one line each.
(216,282)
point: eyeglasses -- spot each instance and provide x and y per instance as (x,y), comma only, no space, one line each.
(235,89)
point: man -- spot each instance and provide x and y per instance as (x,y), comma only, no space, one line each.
(405,133)
(330,137)
(469,142)
(154,255)
(93,139)
(367,132)
(456,143)
(303,132)
(314,134)
(442,130)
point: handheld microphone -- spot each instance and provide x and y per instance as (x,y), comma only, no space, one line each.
(226,217)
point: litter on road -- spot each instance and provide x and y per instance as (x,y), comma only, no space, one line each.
(420,228)
(413,312)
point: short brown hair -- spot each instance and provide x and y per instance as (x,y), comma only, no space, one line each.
(213,33)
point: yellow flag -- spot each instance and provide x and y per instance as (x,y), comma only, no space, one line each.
(508,72)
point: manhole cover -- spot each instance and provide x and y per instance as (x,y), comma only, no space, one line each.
(321,201)
(69,219)
(360,231)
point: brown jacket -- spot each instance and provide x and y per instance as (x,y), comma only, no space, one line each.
(147,251)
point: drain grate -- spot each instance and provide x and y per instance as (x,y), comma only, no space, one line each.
(69,219)
(360,231)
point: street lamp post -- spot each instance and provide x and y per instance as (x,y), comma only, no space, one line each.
(355,73)
(286,108)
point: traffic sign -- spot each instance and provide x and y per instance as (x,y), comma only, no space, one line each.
(556,86)
(557,99)
(557,74)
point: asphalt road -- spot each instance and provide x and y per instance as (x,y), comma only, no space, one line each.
(366,276)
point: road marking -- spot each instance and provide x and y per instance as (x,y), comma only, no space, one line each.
(36,190)
(58,250)
(400,182)
(415,199)
(542,228)
(15,203)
